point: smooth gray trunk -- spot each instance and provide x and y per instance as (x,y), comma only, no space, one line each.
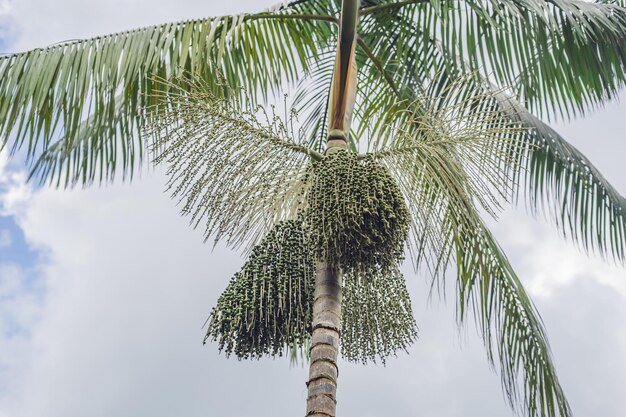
(323,370)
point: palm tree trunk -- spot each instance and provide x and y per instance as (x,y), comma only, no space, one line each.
(323,369)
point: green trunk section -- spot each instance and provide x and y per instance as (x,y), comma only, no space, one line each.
(343,91)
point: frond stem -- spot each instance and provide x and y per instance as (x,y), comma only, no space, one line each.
(313,154)
(379,66)
(374,9)
(246,18)
(392,151)
(319,18)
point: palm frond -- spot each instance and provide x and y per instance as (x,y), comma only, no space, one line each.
(58,101)
(486,283)
(463,156)
(511,327)
(311,98)
(236,173)
(462,144)
(557,178)
(551,173)
(389,68)
(565,56)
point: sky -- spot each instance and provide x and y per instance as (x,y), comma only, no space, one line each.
(104,291)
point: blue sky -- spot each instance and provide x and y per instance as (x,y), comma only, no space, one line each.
(103,291)
(7,32)
(14,247)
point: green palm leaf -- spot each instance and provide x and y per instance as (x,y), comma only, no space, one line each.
(451,152)
(441,169)
(557,178)
(237,169)
(77,104)
(311,98)
(551,173)
(510,324)
(563,55)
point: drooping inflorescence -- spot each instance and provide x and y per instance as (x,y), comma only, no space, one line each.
(354,217)
(358,220)
(377,320)
(357,214)
(267,305)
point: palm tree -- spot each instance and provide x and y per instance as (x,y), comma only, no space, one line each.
(443,101)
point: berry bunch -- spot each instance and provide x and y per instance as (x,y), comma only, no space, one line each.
(354,217)
(356,212)
(377,320)
(267,305)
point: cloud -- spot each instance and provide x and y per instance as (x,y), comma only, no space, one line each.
(19,311)
(14,191)
(585,321)
(549,262)
(122,319)
(19,292)
(6,7)
(6,24)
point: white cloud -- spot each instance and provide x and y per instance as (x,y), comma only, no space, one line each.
(14,192)
(11,279)
(19,299)
(123,315)
(6,23)
(19,311)
(6,7)
(548,261)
